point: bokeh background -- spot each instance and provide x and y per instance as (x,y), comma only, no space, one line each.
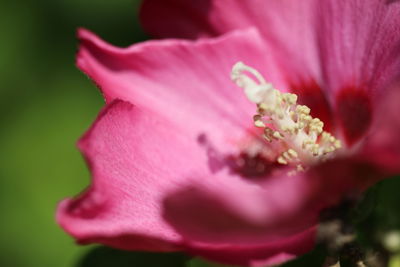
(46,104)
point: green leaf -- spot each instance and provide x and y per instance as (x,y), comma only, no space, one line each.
(108,257)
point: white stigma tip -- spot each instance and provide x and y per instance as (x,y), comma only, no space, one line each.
(254,87)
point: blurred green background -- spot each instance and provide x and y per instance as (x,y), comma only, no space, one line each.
(47,104)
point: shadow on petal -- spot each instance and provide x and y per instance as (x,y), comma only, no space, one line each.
(248,165)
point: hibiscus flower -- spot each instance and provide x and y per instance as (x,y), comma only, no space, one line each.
(176,160)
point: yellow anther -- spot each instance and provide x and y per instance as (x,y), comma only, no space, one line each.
(259,124)
(315,149)
(291,99)
(286,155)
(282,161)
(261,109)
(316,120)
(293,153)
(301,125)
(277,135)
(307,118)
(303,109)
(258,121)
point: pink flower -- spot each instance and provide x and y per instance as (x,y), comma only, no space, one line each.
(176,161)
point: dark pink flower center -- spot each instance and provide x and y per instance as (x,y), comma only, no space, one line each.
(354,111)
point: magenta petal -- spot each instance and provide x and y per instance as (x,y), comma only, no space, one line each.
(136,158)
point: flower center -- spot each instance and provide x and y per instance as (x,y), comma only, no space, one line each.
(297,138)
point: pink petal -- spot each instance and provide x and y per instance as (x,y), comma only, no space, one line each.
(135,158)
(188,82)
